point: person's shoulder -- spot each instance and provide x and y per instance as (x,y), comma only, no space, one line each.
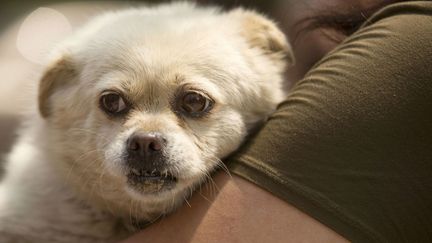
(411,9)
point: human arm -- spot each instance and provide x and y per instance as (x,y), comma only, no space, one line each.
(236,210)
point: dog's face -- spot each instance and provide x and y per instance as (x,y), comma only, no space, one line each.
(142,104)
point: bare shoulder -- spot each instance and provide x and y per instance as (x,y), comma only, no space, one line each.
(237,211)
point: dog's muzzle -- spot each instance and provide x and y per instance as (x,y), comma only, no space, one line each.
(146,160)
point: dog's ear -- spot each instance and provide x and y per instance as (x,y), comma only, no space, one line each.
(60,73)
(263,33)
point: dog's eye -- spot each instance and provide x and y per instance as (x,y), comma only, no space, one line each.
(195,104)
(112,103)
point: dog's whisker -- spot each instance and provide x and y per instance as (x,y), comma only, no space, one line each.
(211,185)
(219,164)
(187,202)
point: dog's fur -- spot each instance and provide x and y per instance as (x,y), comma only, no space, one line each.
(66,178)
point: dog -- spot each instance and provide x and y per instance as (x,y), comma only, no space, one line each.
(134,112)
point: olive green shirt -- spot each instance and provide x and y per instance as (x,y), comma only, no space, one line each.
(352,144)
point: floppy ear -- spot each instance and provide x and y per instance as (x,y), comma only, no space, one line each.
(263,33)
(59,74)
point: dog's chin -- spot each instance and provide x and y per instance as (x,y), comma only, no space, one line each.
(151,182)
(159,187)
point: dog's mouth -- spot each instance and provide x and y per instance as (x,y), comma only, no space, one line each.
(146,181)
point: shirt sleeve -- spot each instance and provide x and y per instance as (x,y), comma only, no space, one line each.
(352,144)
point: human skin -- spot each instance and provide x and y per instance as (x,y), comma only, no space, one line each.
(240,211)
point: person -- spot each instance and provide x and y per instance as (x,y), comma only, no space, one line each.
(347,156)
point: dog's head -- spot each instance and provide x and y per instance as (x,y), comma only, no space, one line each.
(142,104)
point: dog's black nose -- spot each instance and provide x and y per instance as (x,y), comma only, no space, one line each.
(145,145)
(145,151)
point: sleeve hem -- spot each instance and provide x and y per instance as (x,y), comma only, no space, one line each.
(304,199)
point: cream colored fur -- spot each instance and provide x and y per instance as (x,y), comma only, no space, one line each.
(65,179)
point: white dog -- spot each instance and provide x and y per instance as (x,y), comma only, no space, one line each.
(134,112)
